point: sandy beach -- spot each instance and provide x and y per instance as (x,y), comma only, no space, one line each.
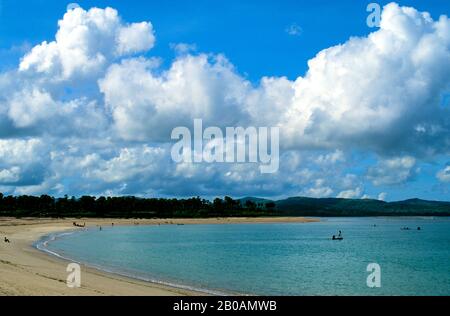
(27,271)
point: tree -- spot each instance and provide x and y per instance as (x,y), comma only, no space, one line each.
(270,206)
(251,206)
(218,204)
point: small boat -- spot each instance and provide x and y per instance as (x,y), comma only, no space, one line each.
(337,238)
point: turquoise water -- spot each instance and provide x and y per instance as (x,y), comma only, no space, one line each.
(275,259)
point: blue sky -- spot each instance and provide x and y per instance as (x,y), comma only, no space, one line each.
(380,156)
(239,29)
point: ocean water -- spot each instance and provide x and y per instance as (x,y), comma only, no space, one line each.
(273,259)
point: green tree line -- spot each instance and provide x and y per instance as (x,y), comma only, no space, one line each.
(129,207)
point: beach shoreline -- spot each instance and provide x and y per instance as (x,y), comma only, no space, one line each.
(25,270)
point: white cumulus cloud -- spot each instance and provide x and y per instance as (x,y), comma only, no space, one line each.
(392,171)
(350,194)
(86,42)
(444,174)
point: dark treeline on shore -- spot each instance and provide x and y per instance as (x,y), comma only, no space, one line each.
(130,207)
(133,207)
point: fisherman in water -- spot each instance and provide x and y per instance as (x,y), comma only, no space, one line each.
(339,237)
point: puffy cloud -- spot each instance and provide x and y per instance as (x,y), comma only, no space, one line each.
(350,194)
(270,100)
(23,162)
(382,196)
(28,107)
(36,111)
(86,43)
(130,163)
(148,106)
(444,174)
(351,96)
(11,175)
(135,38)
(392,171)
(20,151)
(319,190)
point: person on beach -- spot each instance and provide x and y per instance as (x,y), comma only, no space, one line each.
(7,240)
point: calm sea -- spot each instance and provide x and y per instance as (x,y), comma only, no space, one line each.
(274,259)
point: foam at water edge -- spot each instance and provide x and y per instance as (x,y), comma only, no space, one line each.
(43,242)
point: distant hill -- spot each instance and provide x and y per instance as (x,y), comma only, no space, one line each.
(303,206)
(254,200)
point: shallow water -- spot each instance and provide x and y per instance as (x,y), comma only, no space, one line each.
(275,259)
